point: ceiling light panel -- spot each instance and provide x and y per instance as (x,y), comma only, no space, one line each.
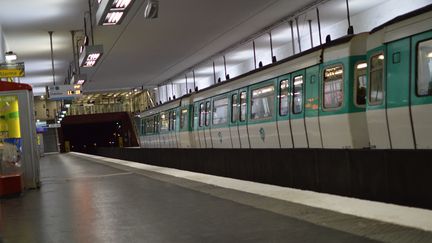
(90,55)
(112,12)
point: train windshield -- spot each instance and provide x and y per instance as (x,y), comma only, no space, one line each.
(424,68)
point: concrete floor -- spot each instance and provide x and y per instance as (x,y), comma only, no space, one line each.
(84,201)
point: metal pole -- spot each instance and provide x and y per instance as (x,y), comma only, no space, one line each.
(319,26)
(348,14)
(77,56)
(310,32)
(166,91)
(224,66)
(73,51)
(172,89)
(214,72)
(91,22)
(186,84)
(271,45)
(292,36)
(254,51)
(298,34)
(52,55)
(193,74)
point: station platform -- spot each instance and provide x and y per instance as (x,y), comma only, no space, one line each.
(86,198)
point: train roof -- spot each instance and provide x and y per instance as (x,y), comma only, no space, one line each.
(9,86)
(400,18)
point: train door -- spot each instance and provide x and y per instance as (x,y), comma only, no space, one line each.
(262,126)
(184,132)
(284,108)
(201,124)
(174,128)
(195,126)
(398,92)
(146,132)
(376,114)
(156,141)
(234,113)
(164,136)
(312,107)
(421,89)
(170,134)
(207,124)
(243,119)
(298,127)
(220,131)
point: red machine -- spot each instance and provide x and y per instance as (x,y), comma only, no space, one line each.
(19,162)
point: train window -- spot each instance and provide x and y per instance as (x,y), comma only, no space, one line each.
(243,106)
(220,111)
(234,108)
(298,94)
(149,125)
(207,113)
(396,57)
(169,121)
(183,117)
(164,122)
(360,83)
(201,115)
(333,87)
(156,124)
(262,103)
(424,68)
(376,79)
(283,98)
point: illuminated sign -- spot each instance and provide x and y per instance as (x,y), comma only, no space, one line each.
(64,91)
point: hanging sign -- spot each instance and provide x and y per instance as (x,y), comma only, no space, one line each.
(67,91)
(12,70)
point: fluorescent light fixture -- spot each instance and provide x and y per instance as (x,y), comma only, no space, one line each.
(361,65)
(429,55)
(67,105)
(90,55)
(112,12)
(10,56)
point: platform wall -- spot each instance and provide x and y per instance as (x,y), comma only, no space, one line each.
(395,176)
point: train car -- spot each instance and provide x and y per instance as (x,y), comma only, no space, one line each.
(285,105)
(399,104)
(159,126)
(307,101)
(370,90)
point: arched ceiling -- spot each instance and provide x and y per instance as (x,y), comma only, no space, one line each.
(139,52)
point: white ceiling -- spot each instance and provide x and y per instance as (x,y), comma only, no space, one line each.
(139,52)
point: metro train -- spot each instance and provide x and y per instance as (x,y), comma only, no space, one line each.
(369,90)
